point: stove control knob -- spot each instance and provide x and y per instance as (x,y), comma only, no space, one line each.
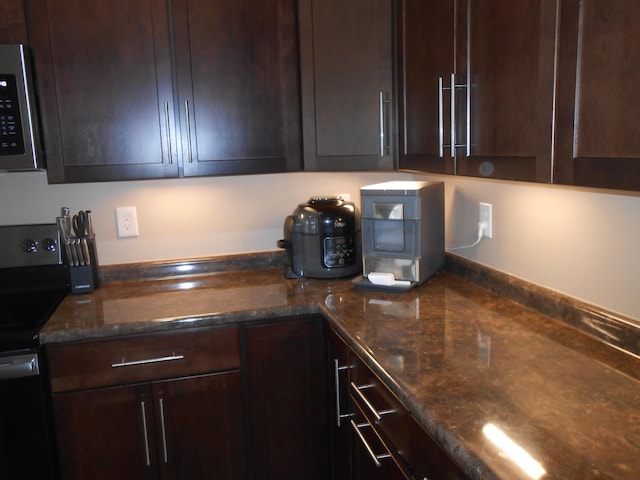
(30,246)
(49,244)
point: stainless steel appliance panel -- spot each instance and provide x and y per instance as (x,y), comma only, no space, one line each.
(19,134)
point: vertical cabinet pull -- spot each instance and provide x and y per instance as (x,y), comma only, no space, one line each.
(146,435)
(468,89)
(162,427)
(375,457)
(337,370)
(453,115)
(382,101)
(168,130)
(440,117)
(453,140)
(188,124)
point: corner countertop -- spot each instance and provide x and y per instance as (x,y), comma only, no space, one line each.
(459,356)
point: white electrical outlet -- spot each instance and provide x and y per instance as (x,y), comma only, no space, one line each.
(127,222)
(486,215)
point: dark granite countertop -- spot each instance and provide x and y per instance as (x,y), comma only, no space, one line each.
(460,357)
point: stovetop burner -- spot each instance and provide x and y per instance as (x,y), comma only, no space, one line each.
(23,315)
(33,282)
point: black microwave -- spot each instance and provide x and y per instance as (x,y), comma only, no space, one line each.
(19,140)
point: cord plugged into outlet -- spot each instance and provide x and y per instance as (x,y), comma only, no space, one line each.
(127,222)
(485,217)
(485,226)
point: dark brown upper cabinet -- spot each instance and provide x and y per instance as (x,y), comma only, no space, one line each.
(347,84)
(13,28)
(238,86)
(103,71)
(140,89)
(426,59)
(598,103)
(476,84)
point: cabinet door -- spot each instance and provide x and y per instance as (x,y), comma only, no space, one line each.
(425,64)
(286,373)
(201,431)
(339,409)
(506,57)
(598,108)
(106,433)
(238,86)
(103,70)
(347,101)
(13,28)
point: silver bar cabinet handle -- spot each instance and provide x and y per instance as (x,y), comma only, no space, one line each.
(453,114)
(169,358)
(382,102)
(146,436)
(188,123)
(337,370)
(164,434)
(375,457)
(468,87)
(440,118)
(168,130)
(377,414)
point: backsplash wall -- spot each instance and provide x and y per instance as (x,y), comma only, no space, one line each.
(579,242)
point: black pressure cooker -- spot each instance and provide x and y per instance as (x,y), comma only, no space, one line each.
(322,239)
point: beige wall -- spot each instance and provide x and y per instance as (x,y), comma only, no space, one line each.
(580,242)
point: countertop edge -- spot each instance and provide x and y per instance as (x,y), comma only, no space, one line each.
(173,324)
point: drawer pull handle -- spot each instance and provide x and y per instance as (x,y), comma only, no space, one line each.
(375,457)
(146,436)
(337,370)
(377,414)
(170,358)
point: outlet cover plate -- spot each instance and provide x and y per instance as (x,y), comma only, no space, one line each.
(127,222)
(485,215)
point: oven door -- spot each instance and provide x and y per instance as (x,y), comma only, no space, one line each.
(25,440)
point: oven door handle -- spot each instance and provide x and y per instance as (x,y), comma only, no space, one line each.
(19,366)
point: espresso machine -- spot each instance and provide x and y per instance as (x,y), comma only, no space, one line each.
(402,233)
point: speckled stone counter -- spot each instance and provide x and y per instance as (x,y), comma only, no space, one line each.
(458,355)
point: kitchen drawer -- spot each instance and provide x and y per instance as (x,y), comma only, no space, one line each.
(119,361)
(381,407)
(374,457)
(428,459)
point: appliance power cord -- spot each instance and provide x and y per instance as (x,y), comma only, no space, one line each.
(481,227)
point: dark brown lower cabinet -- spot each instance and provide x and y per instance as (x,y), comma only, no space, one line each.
(203,429)
(287,399)
(339,408)
(101,433)
(428,460)
(175,429)
(383,441)
(163,406)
